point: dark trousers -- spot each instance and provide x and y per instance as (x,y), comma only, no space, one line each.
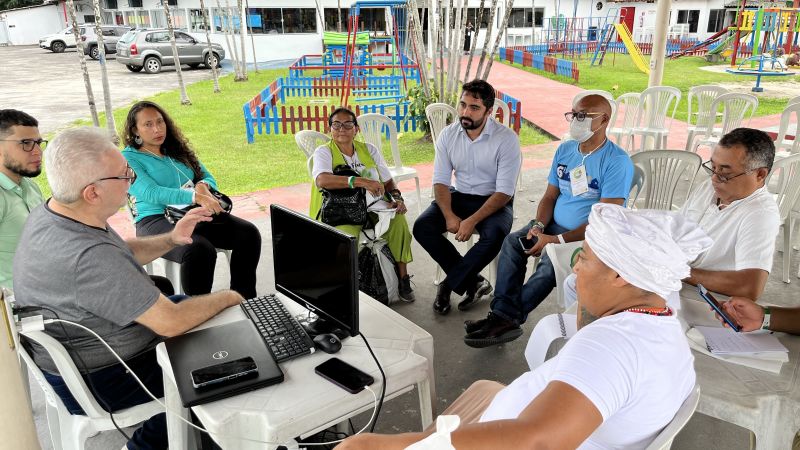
(199,258)
(462,271)
(115,389)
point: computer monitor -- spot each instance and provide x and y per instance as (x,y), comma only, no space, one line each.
(316,265)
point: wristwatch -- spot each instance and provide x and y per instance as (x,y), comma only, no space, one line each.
(535,223)
(767,315)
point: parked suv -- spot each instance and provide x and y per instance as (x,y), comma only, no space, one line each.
(57,42)
(111,34)
(151,49)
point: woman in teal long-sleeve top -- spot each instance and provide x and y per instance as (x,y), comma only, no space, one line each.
(169,173)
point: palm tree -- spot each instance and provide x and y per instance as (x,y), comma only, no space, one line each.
(250,32)
(492,11)
(226,28)
(497,39)
(214,72)
(474,39)
(87,81)
(184,96)
(242,28)
(101,48)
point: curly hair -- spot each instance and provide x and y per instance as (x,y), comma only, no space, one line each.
(175,145)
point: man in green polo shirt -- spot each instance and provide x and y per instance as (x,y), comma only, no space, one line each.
(21,148)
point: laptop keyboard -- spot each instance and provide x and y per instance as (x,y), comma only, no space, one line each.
(283,334)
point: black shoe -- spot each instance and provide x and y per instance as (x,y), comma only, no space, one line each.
(405,291)
(471,326)
(495,330)
(473,296)
(442,302)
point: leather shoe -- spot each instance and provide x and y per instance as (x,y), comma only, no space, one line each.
(473,296)
(471,326)
(494,331)
(442,302)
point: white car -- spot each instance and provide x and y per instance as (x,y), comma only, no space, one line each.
(59,41)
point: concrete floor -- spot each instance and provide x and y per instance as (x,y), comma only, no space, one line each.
(457,365)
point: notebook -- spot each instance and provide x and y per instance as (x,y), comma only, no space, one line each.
(216,345)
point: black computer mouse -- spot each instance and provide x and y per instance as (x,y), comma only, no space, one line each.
(328,343)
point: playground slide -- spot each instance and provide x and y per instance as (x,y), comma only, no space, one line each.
(701,45)
(633,49)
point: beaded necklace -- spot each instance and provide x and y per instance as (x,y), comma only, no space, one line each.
(665,311)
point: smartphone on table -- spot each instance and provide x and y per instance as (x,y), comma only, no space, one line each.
(717,307)
(344,375)
(527,244)
(223,373)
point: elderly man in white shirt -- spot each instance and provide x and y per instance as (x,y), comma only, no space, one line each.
(735,209)
(485,159)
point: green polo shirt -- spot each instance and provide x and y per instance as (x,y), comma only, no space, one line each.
(16,202)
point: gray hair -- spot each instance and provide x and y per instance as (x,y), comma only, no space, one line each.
(73,160)
(758,146)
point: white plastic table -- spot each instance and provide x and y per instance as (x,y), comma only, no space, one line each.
(768,404)
(305,403)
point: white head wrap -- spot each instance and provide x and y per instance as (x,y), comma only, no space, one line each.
(649,249)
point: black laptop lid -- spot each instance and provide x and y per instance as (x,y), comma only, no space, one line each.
(217,345)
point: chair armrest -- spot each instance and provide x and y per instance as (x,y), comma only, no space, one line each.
(544,333)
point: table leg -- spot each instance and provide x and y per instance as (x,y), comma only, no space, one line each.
(425,402)
(178,434)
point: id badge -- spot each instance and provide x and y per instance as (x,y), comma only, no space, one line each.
(578,180)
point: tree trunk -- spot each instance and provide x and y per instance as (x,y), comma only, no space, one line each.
(242,32)
(214,72)
(101,48)
(419,47)
(226,31)
(339,15)
(497,39)
(441,51)
(232,42)
(433,42)
(250,32)
(184,96)
(492,11)
(87,81)
(474,40)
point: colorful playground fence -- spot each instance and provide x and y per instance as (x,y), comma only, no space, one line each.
(549,64)
(579,48)
(262,114)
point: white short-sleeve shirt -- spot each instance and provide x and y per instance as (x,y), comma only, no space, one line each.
(323,162)
(636,369)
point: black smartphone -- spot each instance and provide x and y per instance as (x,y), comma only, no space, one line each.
(526,243)
(717,307)
(344,375)
(224,372)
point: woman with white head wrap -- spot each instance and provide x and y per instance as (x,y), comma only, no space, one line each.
(627,370)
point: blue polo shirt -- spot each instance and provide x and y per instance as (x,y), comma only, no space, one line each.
(609,171)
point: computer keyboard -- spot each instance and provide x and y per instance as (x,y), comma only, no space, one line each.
(283,334)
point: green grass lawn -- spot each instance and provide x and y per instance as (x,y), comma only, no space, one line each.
(214,125)
(619,75)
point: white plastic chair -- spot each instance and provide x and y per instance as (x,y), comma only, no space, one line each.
(67,431)
(703,118)
(492,265)
(637,183)
(787,193)
(793,100)
(663,170)
(561,257)
(500,105)
(651,120)
(737,110)
(439,116)
(629,103)
(308,141)
(373,128)
(790,125)
(663,440)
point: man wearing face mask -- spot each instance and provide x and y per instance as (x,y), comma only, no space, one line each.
(586,170)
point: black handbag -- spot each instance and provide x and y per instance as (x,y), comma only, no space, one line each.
(174,214)
(346,206)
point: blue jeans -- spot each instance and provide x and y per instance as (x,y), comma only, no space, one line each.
(514,300)
(462,271)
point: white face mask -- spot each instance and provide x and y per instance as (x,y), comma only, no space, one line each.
(581,131)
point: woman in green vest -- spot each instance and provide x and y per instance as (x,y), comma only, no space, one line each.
(368,161)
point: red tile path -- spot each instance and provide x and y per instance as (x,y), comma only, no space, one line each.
(543,103)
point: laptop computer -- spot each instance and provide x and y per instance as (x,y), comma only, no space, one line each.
(211,346)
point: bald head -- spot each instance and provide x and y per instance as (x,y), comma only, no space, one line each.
(594,103)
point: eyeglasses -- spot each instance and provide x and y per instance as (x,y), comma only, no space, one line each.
(130,175)
(580,116)
(349,125)
(27,144)
(575,256)
(723,178)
